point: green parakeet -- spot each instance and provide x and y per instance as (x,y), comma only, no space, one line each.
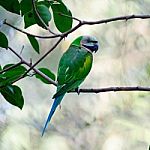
(74,66)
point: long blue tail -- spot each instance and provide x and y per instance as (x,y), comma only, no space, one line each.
(54,106)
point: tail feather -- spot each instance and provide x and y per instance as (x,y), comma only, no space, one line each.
(54,106)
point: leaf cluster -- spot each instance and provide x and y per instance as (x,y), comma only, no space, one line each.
(40,15)
(9,74)
(33,13)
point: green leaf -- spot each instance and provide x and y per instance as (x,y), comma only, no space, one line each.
(29,19)
(3,40)
(63,23)
(0,67)
(44,14)
(46,72)
(34,43)
(25,6)
(3,81)
(46,3)
(11,5)
(13,95)
(14,73)
(17,70)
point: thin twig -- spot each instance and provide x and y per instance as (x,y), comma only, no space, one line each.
(15,53)
(27,33)
(128,17)
(74,18)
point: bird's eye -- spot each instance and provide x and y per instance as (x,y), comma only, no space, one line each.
(88,41)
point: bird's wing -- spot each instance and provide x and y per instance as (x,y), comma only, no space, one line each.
(74,66)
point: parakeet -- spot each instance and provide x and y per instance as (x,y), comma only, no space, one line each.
(74,66)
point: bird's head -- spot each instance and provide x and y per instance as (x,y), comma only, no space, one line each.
(88,42)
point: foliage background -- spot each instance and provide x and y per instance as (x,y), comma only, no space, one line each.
(116,121)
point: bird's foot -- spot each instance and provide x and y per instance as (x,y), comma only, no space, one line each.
(77,90)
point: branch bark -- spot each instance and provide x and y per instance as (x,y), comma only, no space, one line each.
(27,33)
(81,23)
(113,89)
(126,18)
(23,61)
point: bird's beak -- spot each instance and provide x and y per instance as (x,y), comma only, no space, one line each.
(96,47)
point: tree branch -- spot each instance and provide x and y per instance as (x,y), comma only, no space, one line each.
(90,90)
(113,89)
(30,65)
(27,33)
(46,54)
(81,23)
(128,17)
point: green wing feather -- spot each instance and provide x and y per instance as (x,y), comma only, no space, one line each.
(74,66)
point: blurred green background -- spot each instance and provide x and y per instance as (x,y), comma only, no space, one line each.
(105,121)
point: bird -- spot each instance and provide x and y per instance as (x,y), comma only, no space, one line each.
(74,65)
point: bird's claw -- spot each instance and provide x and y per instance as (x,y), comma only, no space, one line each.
(77,90)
